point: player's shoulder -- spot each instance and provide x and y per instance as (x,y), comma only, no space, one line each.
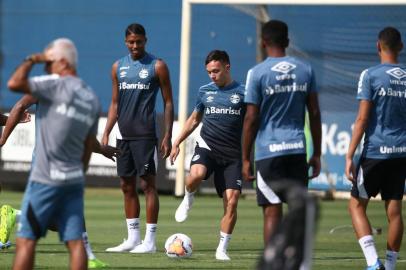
(46,78)
(239,87)
(208,87)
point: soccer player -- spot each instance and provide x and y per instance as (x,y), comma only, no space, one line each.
(137,78)
(67,119)
(220,107)
(278,91)
(382,166)
(8,215)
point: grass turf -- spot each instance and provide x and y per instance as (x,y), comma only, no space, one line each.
(106,228)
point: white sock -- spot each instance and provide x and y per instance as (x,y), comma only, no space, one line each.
(133,230)
(89,252)
(391,258)
(150,233)
(367,244)
(189,196)
(18,215)
(224,239)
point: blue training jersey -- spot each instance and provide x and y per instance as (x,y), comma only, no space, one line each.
(138,86)
(223,112)
(279,87)
(385,86)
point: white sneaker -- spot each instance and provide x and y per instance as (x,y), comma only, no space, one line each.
(125,246)
(222,255)
(144,247)
(183,209)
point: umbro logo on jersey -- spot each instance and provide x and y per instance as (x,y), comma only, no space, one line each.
(283,67)
(398,73)
(210,99)
(235,98)
(123,74)
(143,73)
(195,157)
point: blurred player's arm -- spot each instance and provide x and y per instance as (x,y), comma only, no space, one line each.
(112,114)
(18,114)
(18,81)
(250,129)
(190,125)
(360,125)
(315,130)
(162,72)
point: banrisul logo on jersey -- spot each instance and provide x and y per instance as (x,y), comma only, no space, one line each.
(133,86)
(229,110)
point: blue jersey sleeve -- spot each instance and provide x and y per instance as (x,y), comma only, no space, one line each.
(364,86)
(252,89)
(199,106)
(44,87)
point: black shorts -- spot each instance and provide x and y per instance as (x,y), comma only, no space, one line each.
(272,171)
(385,176)
(138,157)
(227,173)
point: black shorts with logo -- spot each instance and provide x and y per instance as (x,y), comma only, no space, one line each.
(138,157)
(385,176)
(227,173)
(271,171)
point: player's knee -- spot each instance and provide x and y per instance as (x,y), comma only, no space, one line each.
(148,187)
(127,188)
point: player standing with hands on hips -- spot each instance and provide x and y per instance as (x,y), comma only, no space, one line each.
(136,80)
(382,166)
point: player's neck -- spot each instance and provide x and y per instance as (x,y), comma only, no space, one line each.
(226,83)
(388,58)
(275,51)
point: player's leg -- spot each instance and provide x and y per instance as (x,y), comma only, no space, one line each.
(395,232)
(126,169)
(77,257)
(366,185)
(92,261)
(25,253)
(200,169)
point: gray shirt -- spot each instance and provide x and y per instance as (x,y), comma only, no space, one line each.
(67,112)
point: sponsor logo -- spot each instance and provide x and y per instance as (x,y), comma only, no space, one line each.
(209,99)
(195,157)
(123,74)
(285,88)
(382,92)
(398,73)
(59,175)
(392,93)
(235,98)
(146,167)
(71,112)
(133,86)
(278,147)
(239,182)
(392,149)
(143,73)
(285,77)
(126,67)
(229,110)
(284,67)
(211,93)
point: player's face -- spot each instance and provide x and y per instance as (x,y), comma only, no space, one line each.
(136,45)
(218,72)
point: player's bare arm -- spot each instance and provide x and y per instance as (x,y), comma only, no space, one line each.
(359,128)
(112,114)
(191,124)
(315,130)
(249,133)
(162,72)
(17,114)
(108,151)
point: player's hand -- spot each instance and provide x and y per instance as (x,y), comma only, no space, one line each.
(25,117)
(315,164)
(110,152)
(105,140)
(166,147)
(246,171)
(39,58)
(349,169)
(174,153)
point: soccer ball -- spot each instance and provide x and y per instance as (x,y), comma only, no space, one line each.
(178,245)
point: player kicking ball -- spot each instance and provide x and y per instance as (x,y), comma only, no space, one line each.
(220,107)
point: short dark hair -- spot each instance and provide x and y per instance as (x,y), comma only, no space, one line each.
(275,33)
(390,38)
(136,29)
(217,55)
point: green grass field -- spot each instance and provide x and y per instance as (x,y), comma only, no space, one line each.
(106,227)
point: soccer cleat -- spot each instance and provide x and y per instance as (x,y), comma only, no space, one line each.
(125,246)
(377,266)
(7,222)
(222,255)
(183,209)
(5,246)
(96,264)
(144,248)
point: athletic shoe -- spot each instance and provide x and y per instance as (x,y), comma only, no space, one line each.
(96,263)
(144,248)
(222,255)
(125,246)
(7,222)
(5,246)
(183,209)
(377,266)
